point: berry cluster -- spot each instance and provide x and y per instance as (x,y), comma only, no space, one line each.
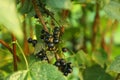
(51,39)
(33,41)
(42,55)
(63,66)
(51,42)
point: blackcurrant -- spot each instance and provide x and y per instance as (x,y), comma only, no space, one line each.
(57,63)
(36,16)
(62,62)
(56,29)
(34,42)
(29,40)
(43,31)
(64,49)
(56,32)
(46,39)
(50,45)
(43,51)
(42,55)
(65,73)
(69,70)
(42,37)
(49,35)
(55,40)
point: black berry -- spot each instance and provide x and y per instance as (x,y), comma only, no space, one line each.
(42,55)
(69,70)
(62,62)
(50,45)
(42,37)
(65,73)
(56,32)
(64,49)
(29,40)
(36,16)
(43,31)
(49,35)
(46,39)
(55,40)
(57,63)
(34,42)
(56,29)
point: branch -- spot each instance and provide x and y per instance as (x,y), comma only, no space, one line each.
(37,10)
(26,47)
(14,53)
(22,1)
(95,26)
(6,45)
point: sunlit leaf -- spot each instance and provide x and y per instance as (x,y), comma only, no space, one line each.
(115,66)
(45,71)
(5,57)
(20,75)
(38,71)
(9,18)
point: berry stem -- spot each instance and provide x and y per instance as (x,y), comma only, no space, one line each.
(56,55)
(37,10)
(22,54)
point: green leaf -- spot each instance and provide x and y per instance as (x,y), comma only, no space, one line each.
(82,58)
(27,8)
(5,57)
(38,29)
(38,71)
(113,9)
(96,73)
(115,66)
(9,18)
(45,71)
(100,57)
(2,75)
(61,4)
(20,75)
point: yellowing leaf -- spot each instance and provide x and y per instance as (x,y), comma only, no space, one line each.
(9,18)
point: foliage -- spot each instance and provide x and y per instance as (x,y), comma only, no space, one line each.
(38,71)
(115,65)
